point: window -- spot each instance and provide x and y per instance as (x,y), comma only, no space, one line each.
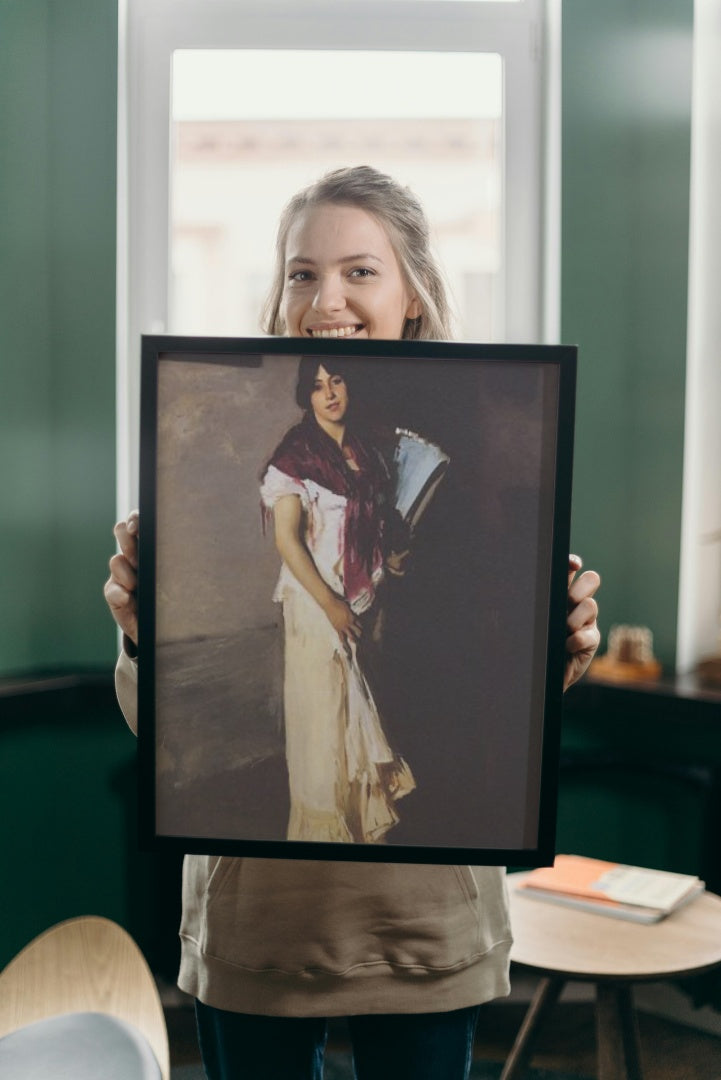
(236,161)
(227,107)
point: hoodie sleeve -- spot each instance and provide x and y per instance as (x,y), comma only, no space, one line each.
(126,688)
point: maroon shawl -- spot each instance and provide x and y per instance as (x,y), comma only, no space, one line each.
(307,453)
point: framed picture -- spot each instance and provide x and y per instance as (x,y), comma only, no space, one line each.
(352,597)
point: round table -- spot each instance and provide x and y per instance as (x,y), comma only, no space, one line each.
(562,944)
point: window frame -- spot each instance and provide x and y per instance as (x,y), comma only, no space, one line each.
(526,34)
(698,636)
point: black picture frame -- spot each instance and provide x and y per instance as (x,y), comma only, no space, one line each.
(468,687)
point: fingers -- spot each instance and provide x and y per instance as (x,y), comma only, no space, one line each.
(352,632)
(575,562)
(585,640)
(121,587)
(123,572)
(583,636)
(584,586)
(583,613)
(582,607)
(349,636)
(126,534)
(395,563)
(123,608)
(343,620)
(353,628)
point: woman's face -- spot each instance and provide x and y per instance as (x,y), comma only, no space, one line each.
(342,277)
(329,398)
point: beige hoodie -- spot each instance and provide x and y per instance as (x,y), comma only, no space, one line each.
(285,937)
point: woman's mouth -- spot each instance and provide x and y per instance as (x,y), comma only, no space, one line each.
(335,331)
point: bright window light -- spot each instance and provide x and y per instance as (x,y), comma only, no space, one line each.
(238,155)
(222,84)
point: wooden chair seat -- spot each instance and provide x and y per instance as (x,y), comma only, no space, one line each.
(85,965)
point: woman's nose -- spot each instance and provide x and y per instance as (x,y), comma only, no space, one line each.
(329,295)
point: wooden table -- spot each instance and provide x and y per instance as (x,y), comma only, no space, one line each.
(563,944)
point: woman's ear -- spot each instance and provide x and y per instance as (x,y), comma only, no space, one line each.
(415,309)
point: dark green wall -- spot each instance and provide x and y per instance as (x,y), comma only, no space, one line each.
(626,146)
(58,74)
(641,778)
(66,759)
(68,804)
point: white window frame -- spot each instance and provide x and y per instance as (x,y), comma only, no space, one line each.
(526,34)
(699,597)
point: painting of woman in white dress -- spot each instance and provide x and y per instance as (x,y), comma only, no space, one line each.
(331,497)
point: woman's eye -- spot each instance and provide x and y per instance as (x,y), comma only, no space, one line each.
(337,380)
(362,272)
(300,276)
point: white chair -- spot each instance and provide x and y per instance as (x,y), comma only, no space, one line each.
(80,1002)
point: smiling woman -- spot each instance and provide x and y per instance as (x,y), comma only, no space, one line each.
(353,259)
(333,289)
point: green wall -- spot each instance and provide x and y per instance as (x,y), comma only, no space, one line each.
(58,75)
(625,200)
(67,761)
(641,779)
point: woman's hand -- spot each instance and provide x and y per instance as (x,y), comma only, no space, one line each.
(583,635)
(287,514)
(121,587)
(342,619)
(396,562)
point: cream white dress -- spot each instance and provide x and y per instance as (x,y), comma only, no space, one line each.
(344,777)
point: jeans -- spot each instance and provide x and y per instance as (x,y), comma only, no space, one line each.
(416,1046)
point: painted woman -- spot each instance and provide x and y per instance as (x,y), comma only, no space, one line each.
(330,494)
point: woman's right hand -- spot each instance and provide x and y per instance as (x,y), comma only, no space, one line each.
(342,619)
(121,587)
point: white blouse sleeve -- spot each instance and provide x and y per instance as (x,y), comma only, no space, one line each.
(276,484)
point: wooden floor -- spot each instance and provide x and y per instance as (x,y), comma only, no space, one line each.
(669,1051)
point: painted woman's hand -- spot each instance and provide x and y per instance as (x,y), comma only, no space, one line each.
(342,619)
(396,562)
(583,635)
(121,587)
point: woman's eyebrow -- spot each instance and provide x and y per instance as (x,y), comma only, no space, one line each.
(361,257)
(302,260)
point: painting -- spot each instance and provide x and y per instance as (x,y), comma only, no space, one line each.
(352,597)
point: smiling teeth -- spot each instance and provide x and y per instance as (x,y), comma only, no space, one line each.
(336,332)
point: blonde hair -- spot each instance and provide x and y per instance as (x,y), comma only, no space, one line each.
(403,217)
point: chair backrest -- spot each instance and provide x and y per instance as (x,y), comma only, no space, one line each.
(88,964)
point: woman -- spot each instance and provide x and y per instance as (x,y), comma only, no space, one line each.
(329,491)
(272,948)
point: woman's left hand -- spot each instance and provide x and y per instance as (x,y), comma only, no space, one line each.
(583,635)
(396,562)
